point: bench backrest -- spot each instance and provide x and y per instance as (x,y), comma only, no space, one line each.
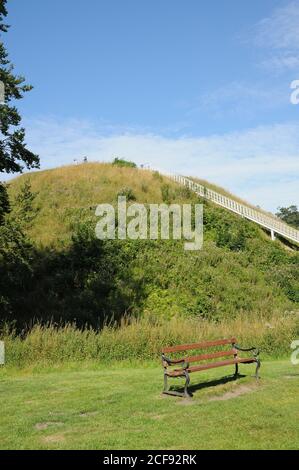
(204,345)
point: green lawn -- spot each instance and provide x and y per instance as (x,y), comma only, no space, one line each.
(92,407)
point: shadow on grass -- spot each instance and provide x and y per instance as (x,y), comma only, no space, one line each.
(210,383)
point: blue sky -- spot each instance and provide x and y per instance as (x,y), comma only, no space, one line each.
(196,87)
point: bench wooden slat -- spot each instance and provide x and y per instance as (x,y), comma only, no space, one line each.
(211,365)
(203,357)
(204,345)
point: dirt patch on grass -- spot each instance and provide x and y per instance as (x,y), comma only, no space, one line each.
(46,425)
(237,392)
(157,417)
(187,402)
(54,439)
(228,395)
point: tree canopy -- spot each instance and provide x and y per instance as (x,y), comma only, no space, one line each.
(290,215)
(14,155)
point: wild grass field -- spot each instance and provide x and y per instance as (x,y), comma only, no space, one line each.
(142,339)
(95,405)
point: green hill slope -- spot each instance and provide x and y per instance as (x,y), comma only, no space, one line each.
(73,276)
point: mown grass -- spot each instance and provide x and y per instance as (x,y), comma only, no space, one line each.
(94,406)
(143,339)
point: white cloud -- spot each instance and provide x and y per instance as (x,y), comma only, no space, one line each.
(260,165)
(241,99)
(280,30)
(280,62)
(279,33)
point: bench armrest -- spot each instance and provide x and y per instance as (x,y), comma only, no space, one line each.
(256,350)
(171,362)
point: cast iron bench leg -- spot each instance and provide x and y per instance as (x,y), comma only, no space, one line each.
(258,365)
(166,388)
(187,394)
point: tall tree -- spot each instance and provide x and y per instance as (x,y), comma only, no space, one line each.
(14,155)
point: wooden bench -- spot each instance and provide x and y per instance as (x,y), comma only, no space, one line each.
(203,361)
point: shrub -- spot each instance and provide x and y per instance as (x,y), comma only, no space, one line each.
(123,163)
(184,192)
(165,191)
(233,236)
(128,193)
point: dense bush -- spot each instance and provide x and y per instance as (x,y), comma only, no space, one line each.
(16,255)
(81,283)
(123,163)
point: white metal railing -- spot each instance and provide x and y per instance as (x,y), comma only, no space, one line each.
(270,222)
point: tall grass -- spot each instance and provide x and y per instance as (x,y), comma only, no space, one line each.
(143,339)
(75,190)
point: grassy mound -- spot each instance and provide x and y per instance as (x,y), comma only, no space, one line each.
(74,277)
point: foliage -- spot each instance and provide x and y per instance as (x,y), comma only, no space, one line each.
(13,151)
(4,203)
(123,163)
(128,193)
(232,236)
(290,215)
(165,191)
(25,210)
(15,270)
(79,283)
